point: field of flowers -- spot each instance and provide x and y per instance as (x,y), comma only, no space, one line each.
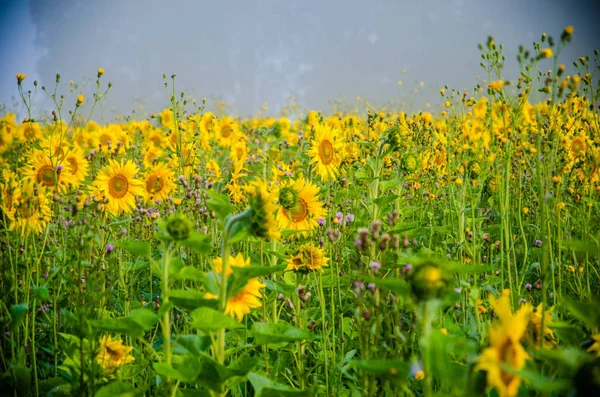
(369,253)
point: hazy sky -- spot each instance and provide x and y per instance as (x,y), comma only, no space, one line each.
(251,52)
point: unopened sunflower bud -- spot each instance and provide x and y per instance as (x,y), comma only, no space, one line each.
(428,281)
(179,227)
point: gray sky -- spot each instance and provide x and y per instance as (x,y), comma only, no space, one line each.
(251,52)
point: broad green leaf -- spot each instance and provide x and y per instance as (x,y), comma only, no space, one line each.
(184,369)
(117,388)
(265,387)
(191,299)
(41,293)
(194,344)
(265,333)
(391,369)
(397,286)
(198,242)
(206,319)
(189,273)
(139,248)
(138,321)
(219,203)
(17,314)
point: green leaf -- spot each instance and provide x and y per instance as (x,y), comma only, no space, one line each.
(185,370)
(241,275)
(265,333)
(213,374)
(134,325)
(219,203)
(206,319)
(265,387)
(397,286)
(189,273)
(211,283)
(139,248)
(41,293)
(279,286)
(382,201)
(538,381)
(17,314)
(191,299)
(117,388)
(391,369)
(586,312)
(198,242)
(194,344)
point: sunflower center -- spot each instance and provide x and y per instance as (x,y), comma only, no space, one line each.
(45,175)
(26,209)
(154,184)
(226,131)
(74,166)
(508,355)
(113,354)
(299,212)
(326,152)
(118,186)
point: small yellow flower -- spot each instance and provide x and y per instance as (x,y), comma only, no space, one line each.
(80,99)
(176,201)
(20,77)
(595,347)
(547,53)
(571,269)
(560,205)
(525,210)
(100,72)
(458,181)
(444,331)
(442,92)
(420,375)
(496,86)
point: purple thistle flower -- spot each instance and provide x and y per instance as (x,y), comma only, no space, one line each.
(110,248)
(321,221)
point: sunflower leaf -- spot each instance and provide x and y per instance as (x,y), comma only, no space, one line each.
(207,319)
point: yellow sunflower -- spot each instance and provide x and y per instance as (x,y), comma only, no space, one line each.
(299,206)
(245,300)
(595,347)
(548,338)
(29,132)
(227,132)
(76,165)
(309,258)
(32,213)
(326,152)
(113,353)
(505,347)
(577,147)
(119,186)
(10,193)
(158,182)
(48,172)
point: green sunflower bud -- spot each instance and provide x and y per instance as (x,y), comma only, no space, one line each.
(410,162)
(276,130)
(392,135)
(288,198)
(428,281)
(179,227)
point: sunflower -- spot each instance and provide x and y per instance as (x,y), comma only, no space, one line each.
(248,298)
(299,206)
(118,185)
(595,347)
(29,132)
(309,258)
(48,172)
(227,132)
(76,165)
(505,347)
(326,152)
(158,182)
(113,353)
(548,338)
(32,212)
(577,147)
(10,193)
(263,224)
(166,118)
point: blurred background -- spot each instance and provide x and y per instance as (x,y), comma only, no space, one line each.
(252,53)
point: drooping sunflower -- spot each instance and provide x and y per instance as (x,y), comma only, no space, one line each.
(263,224)
(119,186)
(158,182)
(299,206)
(547,338)
(113,353)
(308,259)
(32,212)
(326,152)
(245,300)
(48,172)
(505,347)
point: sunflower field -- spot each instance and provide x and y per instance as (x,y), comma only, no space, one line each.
(358,253)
